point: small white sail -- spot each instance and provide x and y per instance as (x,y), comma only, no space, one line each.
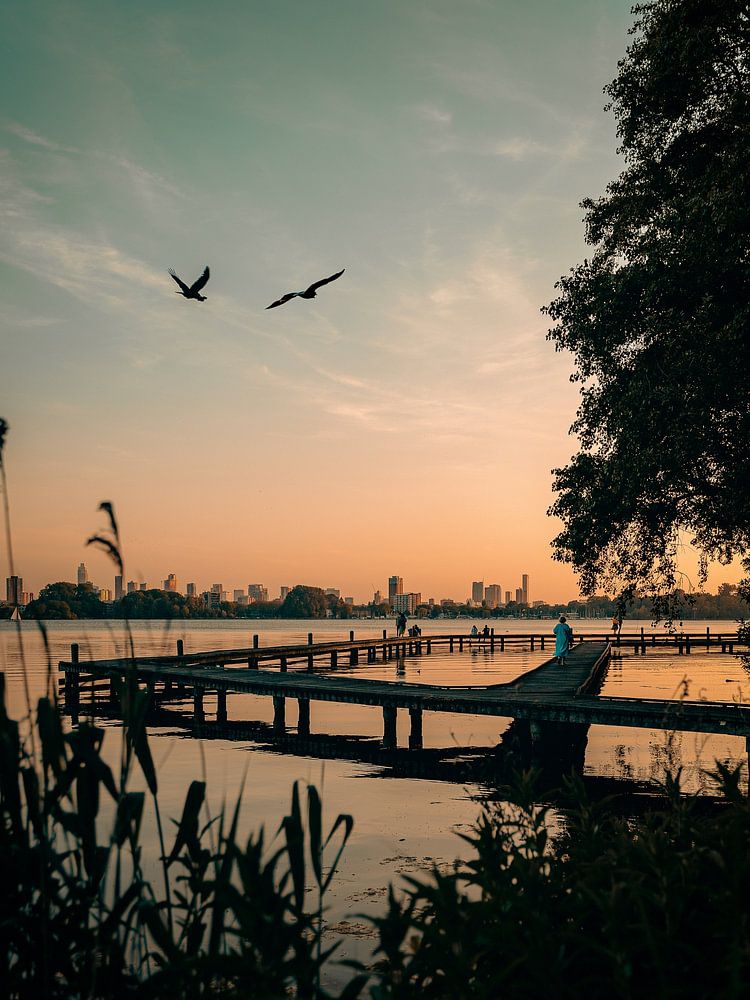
(16,616)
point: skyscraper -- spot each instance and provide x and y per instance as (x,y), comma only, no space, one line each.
(192,590)
(118,588)
(508,597)
(256,592)
(493,595)
(525,588)
(171,583)
(283,592)
(477,591)
(132,586)
(83,576)
(395,588)
(13,590)
(143,586)
(519,595)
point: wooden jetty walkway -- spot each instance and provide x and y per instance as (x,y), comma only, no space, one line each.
(552,700)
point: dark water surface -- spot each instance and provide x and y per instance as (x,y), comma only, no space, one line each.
(404,821)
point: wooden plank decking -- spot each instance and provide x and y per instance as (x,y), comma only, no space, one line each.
(547,694)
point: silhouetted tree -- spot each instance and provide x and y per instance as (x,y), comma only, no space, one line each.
(658,319)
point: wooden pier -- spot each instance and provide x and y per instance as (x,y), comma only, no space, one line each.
(551,699)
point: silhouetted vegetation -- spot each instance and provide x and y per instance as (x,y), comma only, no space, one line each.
(80,917)
(658,318)
(611,907)
(586,903)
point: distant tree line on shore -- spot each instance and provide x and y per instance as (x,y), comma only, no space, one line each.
(70,602)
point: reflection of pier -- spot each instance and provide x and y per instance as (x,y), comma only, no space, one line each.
(552,707)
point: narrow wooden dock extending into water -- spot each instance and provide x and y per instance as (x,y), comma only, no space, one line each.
(551,699)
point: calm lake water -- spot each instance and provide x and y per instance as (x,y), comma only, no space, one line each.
(404,821)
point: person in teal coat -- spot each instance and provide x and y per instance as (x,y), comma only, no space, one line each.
(563,639)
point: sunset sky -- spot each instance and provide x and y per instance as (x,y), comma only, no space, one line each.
(406,421)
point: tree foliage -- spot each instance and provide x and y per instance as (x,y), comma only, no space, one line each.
(658,319)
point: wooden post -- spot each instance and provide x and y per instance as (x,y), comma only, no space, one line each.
(415,732)
(279,715)
(429,646)
(492,640)
(687,643)
(502,643)
(532,644)
(310,652)
(221,706)
(542,639)
(113,690)
(303,718)
(354,654)
(72,684)
(334,660)
(461,644)
(679,646)
(198,713)
(180,648)
(309,638)
(389,728)
(282,664)
(256,641)
(450,644)
(708,637)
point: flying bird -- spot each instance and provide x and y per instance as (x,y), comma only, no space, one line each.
(194,291)
(309,293)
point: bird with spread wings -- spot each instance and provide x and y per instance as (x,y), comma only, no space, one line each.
(194,291)
(309,293)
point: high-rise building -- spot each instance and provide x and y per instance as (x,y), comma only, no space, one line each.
(406,602)
(191,590)
(508,597)
(525,588)
(238,595)
(377,597)
(26,597)
(519,595)
(171,583)
(132,586)
(118,588)
(257,592)
(144,585)
(283,592)
(477,591)
(493,595)
(105,595)
(395,588)
(14,590)
(83,576)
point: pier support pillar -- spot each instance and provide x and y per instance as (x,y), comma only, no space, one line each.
(450,645)
(334,660)
(113,699)
(415,732)
(198,714)
(389,728)
(221,707)
(72,683)
(303,718)
(282,664)
(279,716)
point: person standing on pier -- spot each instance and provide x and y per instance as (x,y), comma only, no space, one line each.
(401,624)
(563,639)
